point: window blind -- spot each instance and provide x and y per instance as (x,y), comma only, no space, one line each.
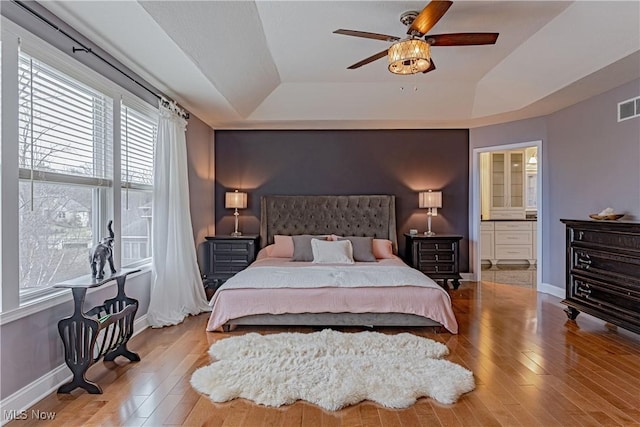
(65,127)
(137,147)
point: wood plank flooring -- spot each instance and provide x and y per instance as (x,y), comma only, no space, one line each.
(533,367)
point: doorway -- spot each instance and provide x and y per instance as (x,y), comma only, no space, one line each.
(506,213)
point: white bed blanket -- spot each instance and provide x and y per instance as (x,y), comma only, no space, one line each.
(308,275)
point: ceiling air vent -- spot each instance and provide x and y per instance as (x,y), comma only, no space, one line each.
(629,109)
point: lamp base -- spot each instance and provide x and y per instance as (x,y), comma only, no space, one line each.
(236,234)
(429,233)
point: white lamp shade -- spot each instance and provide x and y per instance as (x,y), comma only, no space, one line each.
(235,200)
(430,199)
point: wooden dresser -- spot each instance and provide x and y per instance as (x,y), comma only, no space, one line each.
(603,271)
(436,256)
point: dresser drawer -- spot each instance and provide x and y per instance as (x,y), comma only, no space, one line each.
(609,239)
(604,294)
(513,252)
(594,262)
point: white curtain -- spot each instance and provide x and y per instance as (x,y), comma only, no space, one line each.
(177,289)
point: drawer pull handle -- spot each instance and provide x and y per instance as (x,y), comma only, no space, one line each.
(583,292)
(584,263)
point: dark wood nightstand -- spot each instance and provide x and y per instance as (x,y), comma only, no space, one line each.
(436,256)
(225,256)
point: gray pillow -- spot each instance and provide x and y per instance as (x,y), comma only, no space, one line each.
(302,247)
(362,248)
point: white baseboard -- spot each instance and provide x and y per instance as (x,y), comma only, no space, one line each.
(547,288)
(31,394)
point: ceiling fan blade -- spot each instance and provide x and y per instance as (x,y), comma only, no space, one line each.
(461,39)
(429,16)
(431,67)
(368,60)
(367,35)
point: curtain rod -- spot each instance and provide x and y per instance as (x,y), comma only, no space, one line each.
(84,48)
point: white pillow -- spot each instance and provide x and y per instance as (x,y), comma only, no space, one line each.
(327,252)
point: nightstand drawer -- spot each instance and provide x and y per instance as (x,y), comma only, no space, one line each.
(442,256)
(226,268)
(231,257)
(231,246)
(440,267)
(425,246)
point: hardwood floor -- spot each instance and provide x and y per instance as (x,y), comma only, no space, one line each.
(532,366)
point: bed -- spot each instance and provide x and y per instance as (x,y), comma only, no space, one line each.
(276,290)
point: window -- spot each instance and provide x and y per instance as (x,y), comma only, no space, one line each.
(65,157)
(65,171)
(137,147)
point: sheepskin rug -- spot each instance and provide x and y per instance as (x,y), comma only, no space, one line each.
(331,369)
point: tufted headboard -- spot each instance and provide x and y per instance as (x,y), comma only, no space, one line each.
(368,215)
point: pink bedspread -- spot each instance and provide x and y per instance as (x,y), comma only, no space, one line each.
(237,298)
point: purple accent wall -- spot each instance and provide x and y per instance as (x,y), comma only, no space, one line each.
(398,162)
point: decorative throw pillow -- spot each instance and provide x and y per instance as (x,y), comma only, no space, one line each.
(328,252)
(362,248)
(382,248)
(282,247)
(302,247)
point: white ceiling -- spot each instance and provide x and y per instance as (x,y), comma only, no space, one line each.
(277,64)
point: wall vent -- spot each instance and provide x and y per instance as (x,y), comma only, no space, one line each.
(629,109)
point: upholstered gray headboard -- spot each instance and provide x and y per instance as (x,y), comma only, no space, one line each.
(368,215)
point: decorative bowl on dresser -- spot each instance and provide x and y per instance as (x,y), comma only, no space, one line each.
(436,256)
(603,271)
(224,257)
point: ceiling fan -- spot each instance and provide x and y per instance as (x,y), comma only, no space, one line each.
(413,54)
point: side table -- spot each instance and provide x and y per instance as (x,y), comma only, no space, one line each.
(226,256)
(436,256)
(109,325)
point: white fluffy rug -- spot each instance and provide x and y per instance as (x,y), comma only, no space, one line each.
(331,369)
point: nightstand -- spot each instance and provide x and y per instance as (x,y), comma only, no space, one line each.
(225,256)
(436,256)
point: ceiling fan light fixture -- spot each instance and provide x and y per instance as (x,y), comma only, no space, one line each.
(409,56)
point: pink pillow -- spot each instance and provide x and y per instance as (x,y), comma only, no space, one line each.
(382,248)
(282,247)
